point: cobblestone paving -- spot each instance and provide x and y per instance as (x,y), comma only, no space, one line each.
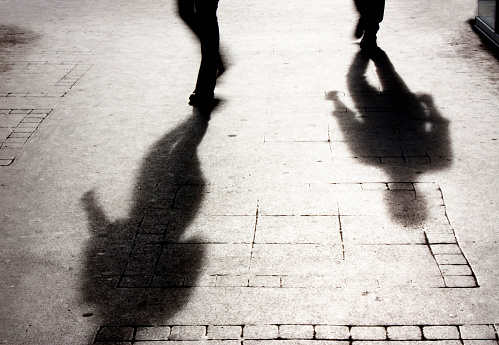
(474,334)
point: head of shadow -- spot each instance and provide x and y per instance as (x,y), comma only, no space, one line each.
(138,270)
(394,129)
(10,37)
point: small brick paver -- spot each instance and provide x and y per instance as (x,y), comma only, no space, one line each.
(153,333)
(188,333)
(115,334)
(460,281)
(260,332)
(332,332)
(296,331)
(445,249)
(404,333)
(456,270)
(440,332)
(225,332)
(450,259)
(368,333)
(477,332)
(440,238)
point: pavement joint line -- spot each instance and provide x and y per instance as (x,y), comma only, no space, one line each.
(341,233)
(278,332)
(253,240)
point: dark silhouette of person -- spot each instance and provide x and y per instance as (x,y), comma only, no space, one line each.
(140,269)
(371,15)
(201,17)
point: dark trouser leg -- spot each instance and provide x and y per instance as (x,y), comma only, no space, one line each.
(186,11)
(371,14)
(209,36)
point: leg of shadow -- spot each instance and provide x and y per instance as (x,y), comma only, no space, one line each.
(403,132)
(138,270)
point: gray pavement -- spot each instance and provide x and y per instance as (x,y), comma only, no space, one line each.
(329,198)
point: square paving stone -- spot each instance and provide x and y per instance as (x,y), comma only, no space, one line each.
(221,201)
(221,229)
(182,259)
(298,229)
(354,169)
(296,202)
(295,259)
(379,230)
(363,203)
(393,264)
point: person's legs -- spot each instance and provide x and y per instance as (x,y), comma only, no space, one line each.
(186,11)
(209,36)
(371,15)
(373,12)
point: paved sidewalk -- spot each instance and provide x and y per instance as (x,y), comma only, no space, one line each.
(331,196)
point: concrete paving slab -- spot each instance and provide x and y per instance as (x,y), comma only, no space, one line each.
(295,229)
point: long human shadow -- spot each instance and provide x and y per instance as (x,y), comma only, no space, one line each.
(399,131)
(139,270)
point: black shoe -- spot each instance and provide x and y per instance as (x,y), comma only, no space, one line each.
(202,101)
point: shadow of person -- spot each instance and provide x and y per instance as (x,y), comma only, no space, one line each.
(139,270)
(400,132)
(10,37)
